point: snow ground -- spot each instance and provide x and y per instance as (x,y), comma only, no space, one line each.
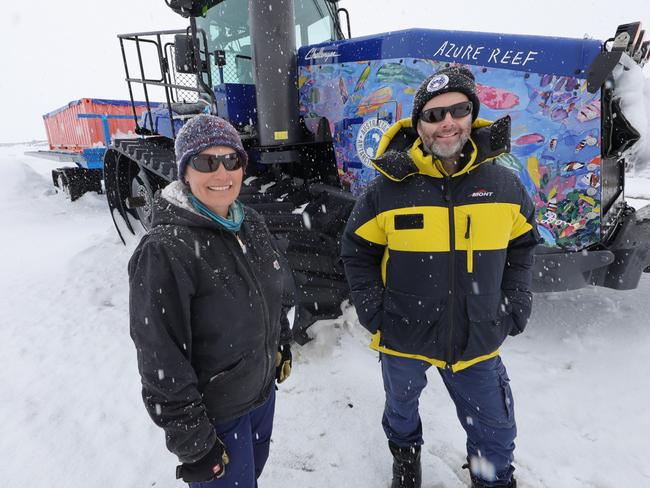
(72,414)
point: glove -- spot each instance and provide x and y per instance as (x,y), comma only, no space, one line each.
(283,363)
(209,467)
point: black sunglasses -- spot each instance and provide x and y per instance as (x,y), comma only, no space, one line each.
(437,114)
(207,163)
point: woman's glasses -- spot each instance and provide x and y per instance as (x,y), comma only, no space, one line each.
(207,163)
(438,114)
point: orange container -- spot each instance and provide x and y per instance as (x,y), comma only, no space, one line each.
(65,131)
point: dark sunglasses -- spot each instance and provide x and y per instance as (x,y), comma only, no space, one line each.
(438,114)
(207,163)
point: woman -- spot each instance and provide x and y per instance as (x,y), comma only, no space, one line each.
(207,308)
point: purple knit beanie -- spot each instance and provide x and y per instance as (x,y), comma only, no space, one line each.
(202,132)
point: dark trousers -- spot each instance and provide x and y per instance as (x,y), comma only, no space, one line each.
(483,402)
(247,440)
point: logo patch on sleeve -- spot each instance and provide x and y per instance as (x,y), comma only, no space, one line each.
(409,221)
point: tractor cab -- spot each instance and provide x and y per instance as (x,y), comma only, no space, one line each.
(229,54)
(227,28)
(210,66)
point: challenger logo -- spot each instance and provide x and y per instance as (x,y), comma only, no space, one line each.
(321,53)
(481,192)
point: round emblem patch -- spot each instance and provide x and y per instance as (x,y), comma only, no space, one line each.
(437,83)
(368,139)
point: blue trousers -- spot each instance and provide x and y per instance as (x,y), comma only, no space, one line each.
(247,440)
(484,406)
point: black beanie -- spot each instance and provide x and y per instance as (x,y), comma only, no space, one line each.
(452,79)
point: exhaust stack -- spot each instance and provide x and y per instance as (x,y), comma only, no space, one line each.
(273,39)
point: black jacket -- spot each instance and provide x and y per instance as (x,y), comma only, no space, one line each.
(440,267)
(206,312)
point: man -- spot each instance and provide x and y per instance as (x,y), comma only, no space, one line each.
(438,254)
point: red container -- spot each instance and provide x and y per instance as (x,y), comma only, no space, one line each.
(65,131)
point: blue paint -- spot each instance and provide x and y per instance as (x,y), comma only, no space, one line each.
(557,55)
(94,158)
(161,124)
(236,103)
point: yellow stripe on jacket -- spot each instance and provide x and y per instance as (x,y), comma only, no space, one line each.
(493,226)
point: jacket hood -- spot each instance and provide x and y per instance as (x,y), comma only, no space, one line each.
(400,153)
(172,206)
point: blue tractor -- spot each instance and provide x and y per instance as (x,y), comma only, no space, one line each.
(311,105)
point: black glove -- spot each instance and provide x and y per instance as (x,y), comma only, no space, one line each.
(209,467)
(283,363)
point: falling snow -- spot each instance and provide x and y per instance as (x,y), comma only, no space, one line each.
(568,397)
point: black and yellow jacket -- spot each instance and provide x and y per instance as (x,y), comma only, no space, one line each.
(440,266)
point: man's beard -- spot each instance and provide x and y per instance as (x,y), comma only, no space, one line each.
(446,151)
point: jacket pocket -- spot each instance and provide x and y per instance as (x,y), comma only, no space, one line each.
(231,369)
(507,398)
(410,322)
(489,325)
(230,390)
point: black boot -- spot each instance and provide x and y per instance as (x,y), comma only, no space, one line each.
(407,470)
(477,483)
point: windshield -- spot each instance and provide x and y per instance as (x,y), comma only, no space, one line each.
(227,28)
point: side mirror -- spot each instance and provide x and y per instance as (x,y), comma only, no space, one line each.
(184,54)
(191,8)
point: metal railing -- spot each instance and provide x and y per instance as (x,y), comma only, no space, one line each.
(178,87)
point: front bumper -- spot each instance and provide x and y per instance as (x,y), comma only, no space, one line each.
(617,263)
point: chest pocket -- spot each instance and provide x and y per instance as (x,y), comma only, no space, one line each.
(409,221)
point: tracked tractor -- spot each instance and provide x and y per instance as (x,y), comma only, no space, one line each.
(311,105)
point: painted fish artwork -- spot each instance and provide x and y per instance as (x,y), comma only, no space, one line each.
(363,77)
(526,139)
(375,100)
(590,111)
(587,141)
(559,113)
(572,166)
(343,89)
(399,72)
(496,98)
(555,149)
(545,80)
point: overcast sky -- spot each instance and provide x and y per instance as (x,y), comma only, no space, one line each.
(54,52)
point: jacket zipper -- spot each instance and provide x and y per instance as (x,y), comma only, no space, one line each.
(452,266)
(470,250)
(267,320)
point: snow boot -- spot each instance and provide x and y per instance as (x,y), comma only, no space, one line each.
(477,483)
(407,469)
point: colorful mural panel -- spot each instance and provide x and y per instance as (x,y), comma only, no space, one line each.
(555,131)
